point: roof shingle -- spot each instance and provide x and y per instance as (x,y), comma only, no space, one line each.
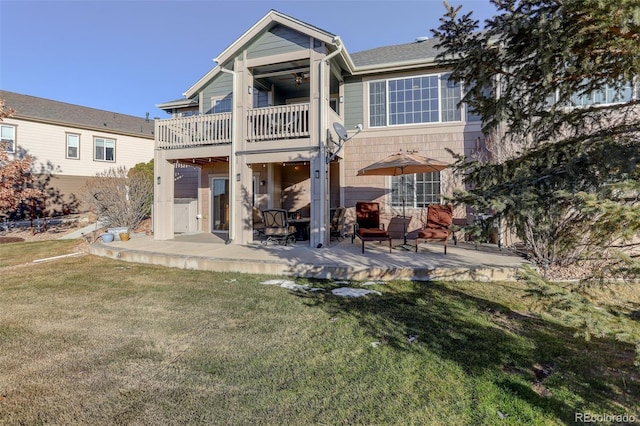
(40,109)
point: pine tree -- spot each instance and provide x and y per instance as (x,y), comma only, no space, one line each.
(562,170)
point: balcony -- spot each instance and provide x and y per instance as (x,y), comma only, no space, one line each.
(262,124)
(278,122)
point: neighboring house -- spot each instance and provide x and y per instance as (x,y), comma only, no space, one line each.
(259,126)
(71,143)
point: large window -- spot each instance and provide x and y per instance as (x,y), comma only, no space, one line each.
(608,95)
(105,149)
(420,99)
(420,189)
(8,138)
(73,146)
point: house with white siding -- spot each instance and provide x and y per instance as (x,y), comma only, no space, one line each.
(71,143)
(261,129)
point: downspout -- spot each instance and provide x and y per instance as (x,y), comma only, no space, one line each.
(232,158)
(322,145)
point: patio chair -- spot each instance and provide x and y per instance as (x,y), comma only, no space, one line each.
(438,226)
(277,228)
(367,226)
(337,223)
(258,223)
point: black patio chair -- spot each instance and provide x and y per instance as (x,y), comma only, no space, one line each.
(277,228)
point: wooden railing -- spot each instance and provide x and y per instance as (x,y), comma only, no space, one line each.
(197,130)
(263,124)
(278,122)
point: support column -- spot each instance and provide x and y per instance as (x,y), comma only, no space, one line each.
(163,193)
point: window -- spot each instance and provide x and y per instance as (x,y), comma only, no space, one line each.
(105,149)
(608,95)
(420,99)
(420,189)
(73,146)
(8,138)
(219,105)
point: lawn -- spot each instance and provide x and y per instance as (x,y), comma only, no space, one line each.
(88,340)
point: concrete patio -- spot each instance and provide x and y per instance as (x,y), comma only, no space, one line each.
(340,261)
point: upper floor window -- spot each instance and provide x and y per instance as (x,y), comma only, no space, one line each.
(73,146)
(412,100)
(8,138)
(419,189)
(219,105)
(104,149)
(608,95)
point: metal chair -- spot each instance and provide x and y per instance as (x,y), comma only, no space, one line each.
(277,228)
(337,223)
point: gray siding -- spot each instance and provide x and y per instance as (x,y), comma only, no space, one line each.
(277,40)
(220,87)
(353,101)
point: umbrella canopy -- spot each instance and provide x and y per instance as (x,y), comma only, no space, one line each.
(403,163)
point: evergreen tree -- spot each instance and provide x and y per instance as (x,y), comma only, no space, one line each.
(556,84)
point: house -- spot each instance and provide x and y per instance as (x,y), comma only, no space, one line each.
(71,143)
(260,128)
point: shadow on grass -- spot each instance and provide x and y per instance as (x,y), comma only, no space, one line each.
(487,338)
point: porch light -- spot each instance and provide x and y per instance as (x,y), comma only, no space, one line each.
(317,174)
(158,180)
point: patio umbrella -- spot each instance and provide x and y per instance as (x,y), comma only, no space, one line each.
(400,164)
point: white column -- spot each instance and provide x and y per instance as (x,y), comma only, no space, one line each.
(163,192)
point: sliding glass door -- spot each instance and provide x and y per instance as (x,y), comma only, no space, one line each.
(220,204)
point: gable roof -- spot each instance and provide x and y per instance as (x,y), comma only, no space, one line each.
(32,108)
(271,19)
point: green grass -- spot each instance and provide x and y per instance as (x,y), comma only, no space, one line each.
(95,341)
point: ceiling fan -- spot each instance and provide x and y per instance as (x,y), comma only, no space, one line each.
(298,78)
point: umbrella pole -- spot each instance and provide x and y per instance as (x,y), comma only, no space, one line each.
(404,202)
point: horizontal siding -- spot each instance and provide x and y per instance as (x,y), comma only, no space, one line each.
(276,41)
(353,101)
(47,144)
(219,87)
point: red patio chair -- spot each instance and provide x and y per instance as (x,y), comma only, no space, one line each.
(367,226)
(438,226)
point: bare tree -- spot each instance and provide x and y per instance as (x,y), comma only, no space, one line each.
(121,197)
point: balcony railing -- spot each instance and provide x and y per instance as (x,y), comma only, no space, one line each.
(278,122)
(263,124)
(197,130)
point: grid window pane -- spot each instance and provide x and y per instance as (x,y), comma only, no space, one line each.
(378,103)
(420,189)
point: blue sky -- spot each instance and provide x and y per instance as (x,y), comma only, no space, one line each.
(128,56)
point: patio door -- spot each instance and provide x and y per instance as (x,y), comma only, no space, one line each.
(220,204)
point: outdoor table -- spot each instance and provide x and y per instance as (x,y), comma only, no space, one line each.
(302,227)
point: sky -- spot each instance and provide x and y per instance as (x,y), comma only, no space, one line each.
(129,56)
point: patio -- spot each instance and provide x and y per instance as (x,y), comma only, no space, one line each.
(340,261)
